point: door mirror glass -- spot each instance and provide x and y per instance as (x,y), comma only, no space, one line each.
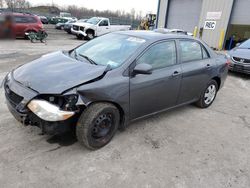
(143,68)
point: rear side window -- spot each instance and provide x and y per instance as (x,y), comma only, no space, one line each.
(160,55)
(204,53)
(25,19)
(190,51)
(31,20)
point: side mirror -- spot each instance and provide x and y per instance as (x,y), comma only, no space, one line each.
(143,68)
(237,44)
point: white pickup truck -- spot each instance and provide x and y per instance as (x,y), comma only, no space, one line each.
(95,27)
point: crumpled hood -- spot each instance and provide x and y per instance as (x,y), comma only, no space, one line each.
(240,52)
(83,24)
(56,72)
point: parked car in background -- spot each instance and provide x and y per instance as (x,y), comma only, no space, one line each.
(55,20)
(95,27)
(61,25)
(44,19)
(177,31)
(239,58)
(21,23)
(113,80)
(68,25)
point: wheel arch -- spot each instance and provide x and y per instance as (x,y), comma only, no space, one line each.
(118,106)
(218,80)
(91,30)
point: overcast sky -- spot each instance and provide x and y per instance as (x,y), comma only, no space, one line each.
(146,6)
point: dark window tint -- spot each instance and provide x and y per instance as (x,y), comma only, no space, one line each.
(104,23)
(160,55)
(20,19)
(190,51)
(24,19)
(31,20)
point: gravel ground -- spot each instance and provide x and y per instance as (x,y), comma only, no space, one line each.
(185,147)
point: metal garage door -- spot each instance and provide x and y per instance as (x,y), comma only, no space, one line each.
(241,12)
(183,14)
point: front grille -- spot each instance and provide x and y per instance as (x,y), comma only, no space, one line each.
(82,28)
(241,60)
(75,27)
(13,98)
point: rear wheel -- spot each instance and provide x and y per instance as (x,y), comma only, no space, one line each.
(208,95)
(97,125)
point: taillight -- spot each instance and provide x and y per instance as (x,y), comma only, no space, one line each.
(228,62)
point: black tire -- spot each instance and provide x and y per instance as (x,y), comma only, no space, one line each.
(97,125)
(90,35)
(202,101)
(80,37)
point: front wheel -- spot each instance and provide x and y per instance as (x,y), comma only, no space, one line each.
(90,35)
(97,125)
(208,95)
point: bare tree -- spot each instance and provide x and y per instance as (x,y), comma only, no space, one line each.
(1,3)
(13,4)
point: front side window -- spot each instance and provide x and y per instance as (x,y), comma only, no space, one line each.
(190,51)
(160,55)
(31,20)
(111,49)
(104,23)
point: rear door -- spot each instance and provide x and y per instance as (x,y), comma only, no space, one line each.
(159,90)
(20,25)
(197,69)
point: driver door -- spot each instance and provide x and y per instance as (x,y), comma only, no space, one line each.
(150,93)
(103,27)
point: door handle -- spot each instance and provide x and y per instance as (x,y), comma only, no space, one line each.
(176,73)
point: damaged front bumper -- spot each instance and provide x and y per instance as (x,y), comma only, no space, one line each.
(78,33)
(18,97)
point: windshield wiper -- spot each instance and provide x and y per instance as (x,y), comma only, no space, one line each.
(89,59)
(75,54)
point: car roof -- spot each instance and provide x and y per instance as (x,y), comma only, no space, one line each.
(153,35)
(18,14)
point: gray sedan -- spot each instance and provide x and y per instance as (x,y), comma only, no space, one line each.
(239,58)
(113,80)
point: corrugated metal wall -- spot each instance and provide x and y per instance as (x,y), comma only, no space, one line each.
(212,37)
(183,14)
(162,13)
(232,12)
(241,12)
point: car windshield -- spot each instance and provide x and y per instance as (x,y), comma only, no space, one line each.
(93,20)
(245,44)
(111,49)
